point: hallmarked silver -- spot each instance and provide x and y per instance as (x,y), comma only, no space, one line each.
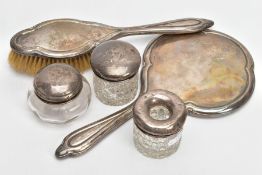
(64,38)
(236,49)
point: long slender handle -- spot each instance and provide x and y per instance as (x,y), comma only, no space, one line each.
(180,26)
(83,139)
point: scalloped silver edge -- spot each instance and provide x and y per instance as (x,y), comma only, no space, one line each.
(202,112)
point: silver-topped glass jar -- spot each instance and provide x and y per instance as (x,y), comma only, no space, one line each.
(159,117)
(60,93)
(115,65)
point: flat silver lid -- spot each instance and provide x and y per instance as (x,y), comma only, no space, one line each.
(115,60)
(57,83)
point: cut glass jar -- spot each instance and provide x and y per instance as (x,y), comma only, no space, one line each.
(115,65)
(159,117)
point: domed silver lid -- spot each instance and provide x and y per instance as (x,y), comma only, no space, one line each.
(115,60)
(57,83)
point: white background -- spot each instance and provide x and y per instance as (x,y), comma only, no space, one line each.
(229,145)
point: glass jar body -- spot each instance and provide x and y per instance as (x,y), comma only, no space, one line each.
(155,146)
(115,93)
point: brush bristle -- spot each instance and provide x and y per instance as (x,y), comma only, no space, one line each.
(32,64)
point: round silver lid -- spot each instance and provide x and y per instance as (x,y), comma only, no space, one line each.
(115,60)
(57,83)
(159,125)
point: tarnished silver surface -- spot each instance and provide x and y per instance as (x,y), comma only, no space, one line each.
(115,60)
(115,65)
(159,116)
(164,126)
(57,83)
(62,38)
(210,71)
(87,137)
(60,112)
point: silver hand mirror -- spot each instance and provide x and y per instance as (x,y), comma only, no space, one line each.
(211,72)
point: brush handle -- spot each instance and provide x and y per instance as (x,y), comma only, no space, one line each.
(67,38)
(180,26)
(85,138)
